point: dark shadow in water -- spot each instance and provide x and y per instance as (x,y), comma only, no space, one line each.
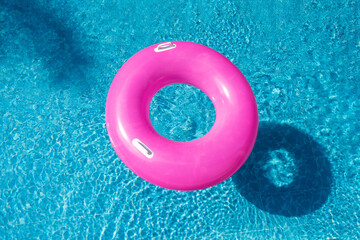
(287,172)
(57,44)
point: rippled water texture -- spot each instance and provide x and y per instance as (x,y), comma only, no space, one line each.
(60,177)
(182,112)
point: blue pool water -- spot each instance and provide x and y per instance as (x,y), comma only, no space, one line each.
(61,179)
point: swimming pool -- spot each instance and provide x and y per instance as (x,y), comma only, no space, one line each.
(60,177)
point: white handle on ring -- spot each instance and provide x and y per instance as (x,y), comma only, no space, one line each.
(142,148)
(164,47)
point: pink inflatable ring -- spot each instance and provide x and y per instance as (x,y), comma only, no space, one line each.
(191,165)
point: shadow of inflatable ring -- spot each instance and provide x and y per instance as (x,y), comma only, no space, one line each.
(287,172)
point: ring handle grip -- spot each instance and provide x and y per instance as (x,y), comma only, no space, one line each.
(164,47)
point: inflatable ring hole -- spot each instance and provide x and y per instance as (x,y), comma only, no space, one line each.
(182,112)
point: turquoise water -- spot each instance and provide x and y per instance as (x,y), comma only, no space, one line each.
(182,112)
(61,179)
